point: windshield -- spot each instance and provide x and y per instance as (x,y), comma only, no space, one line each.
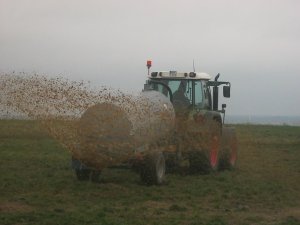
(184,92)
(179,88)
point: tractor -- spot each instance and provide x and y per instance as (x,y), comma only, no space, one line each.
(181,128)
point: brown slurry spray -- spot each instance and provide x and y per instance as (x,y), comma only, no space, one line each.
(101,127)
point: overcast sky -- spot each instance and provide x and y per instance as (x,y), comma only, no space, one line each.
(253,44)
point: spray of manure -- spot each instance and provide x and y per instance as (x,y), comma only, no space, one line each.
(100,127)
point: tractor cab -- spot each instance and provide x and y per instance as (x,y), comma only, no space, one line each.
(189,90)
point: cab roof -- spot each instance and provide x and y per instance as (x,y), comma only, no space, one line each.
(180,75)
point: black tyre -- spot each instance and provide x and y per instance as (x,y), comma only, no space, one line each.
(172,162)
(206,159)
(229,149)
(153,169)
(86,175)
(199,162)
(83,174)
(95,176)
(214,154)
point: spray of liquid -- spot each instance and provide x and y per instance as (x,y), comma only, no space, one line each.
(100,127)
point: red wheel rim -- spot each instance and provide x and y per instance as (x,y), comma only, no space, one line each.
(233,154)
(214,152)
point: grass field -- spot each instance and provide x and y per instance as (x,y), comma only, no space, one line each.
(37,185)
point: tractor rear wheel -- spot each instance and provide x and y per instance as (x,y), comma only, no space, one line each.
(207,159)
(199,162)
(153,169)
(229,149)
(214,152)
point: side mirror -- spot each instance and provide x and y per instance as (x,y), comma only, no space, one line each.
(223,108)
(226,91)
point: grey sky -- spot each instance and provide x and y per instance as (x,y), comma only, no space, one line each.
(253,44)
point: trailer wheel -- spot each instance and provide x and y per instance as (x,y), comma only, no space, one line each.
(229,149)
(95,176)
(153,169)
(83,174)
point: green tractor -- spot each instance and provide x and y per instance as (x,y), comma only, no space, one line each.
(201,142)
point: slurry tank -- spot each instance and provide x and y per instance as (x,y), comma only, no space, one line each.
(112,132)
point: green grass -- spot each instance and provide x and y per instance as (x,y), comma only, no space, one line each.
(37,185)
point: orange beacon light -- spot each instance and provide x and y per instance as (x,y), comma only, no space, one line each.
(149,64)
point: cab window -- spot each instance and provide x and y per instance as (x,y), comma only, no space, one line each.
(198,94)
(162,89)
(206,96)
(181,90)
